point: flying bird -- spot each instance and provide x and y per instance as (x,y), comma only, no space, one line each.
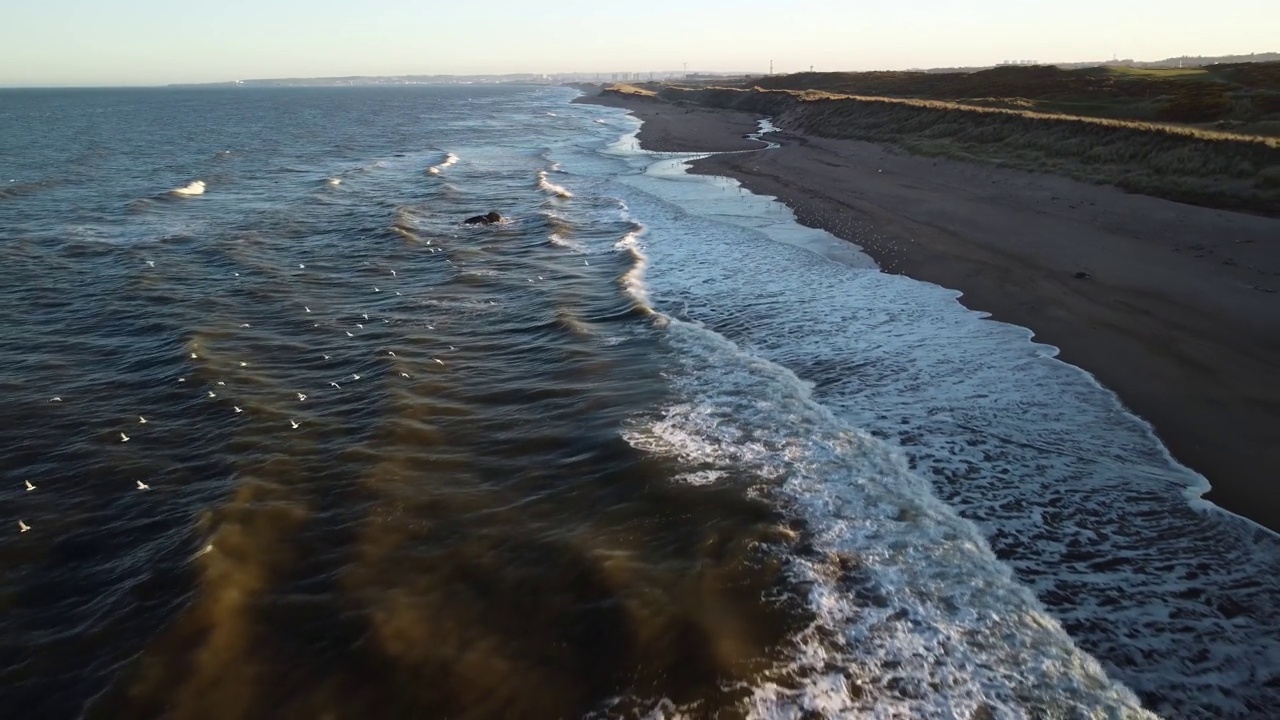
(393,273)
(151,263)
(143,486)
(124,438)
(55,399)
(404,374)
(301,266)
(335,385)
(326,357)
(182,380)
(438,360)
(142,420)
(30,487)
(366,316)
(244,364)
(237,408)
(213,394)
(23,527)
(375,289)
(304,307)
(244,324)
(355,376)
(391,353)
(360,326)
(349,334)
(194,356)
(301,397)
(294,424)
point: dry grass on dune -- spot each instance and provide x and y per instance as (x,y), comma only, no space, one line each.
(1187,164)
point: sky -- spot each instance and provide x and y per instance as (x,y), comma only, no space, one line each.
(151,42)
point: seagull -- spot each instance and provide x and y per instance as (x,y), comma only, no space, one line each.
(375,289)
(360,326)
(385,320)
(301,266)
(212,394)
(244,324)
(366,316)
(326,357)
(349,334)
(404,374)
(143,486)
(205,550)
(237,408)
(182,380)
(244,364)
(294,424)
(301,397)
(584,262)
(391,353)
(142,420)
(355,376)
(452,347)
(55,399)
(398,293)
(124,438)
(23,527)
(236,274)
(194,356)
(151,263)
(304,307)
(335,385)
(438,360)
(221,383)
(393,273)
(30,487)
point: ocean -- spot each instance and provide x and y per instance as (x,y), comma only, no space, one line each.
(290,440)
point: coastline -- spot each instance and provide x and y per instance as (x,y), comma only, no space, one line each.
(1179,314)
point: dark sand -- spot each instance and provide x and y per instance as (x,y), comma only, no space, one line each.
(1180,314)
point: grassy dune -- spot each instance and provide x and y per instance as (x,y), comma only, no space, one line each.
(1179,162)
(1242,98)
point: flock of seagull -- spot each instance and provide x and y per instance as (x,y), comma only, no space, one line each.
(302,397)
(294,424)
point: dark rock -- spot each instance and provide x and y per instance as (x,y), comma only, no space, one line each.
(488,218)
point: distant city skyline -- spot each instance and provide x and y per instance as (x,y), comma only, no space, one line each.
(149,42)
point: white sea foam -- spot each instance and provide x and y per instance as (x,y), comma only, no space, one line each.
(633,280)
(1178,601)
(449,161)
(914,615)
(551,187)
(334,182)
(196,187)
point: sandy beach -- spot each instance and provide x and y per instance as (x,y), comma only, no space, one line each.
(1174,307)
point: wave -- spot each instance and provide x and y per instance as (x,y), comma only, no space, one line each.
(15,189)
(196,187)
(449,160)
(633,280)
(913,614)
(551,187)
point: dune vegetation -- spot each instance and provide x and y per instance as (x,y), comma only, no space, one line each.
(1015,123)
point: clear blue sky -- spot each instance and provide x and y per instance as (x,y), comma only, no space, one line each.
(143,42)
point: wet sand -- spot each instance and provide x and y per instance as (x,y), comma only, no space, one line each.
(1177,309)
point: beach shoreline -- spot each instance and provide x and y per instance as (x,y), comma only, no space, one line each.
(1173,307)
